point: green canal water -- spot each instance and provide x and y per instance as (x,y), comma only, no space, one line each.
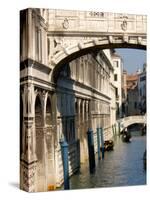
(121,167)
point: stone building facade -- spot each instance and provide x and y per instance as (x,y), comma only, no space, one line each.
(142,90)
(124,93)
(81,99)
(132,94)
(117,81)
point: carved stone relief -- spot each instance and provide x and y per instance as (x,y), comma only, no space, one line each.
(28,173)
(65,23)
(124,25)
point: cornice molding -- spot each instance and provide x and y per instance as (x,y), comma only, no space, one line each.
(34,64)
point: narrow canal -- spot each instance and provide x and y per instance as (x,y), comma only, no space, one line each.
(121,167)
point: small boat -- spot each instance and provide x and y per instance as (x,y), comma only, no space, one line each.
(126,136)
(108,145)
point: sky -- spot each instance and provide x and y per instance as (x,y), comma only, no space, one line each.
(133,59)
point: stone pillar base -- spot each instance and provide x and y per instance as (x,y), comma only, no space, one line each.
(27,176)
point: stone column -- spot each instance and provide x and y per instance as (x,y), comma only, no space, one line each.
(28,157)
(87,110)
(57,133)
(83,135)
(44,102)
(30,33)
(86,114)
(83,113)
(83,118)
(54,119)
(78,118)
(86,128)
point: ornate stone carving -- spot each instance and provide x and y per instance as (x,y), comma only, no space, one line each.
(28,175)
(39,133)
(96,14)
(65,23)
(124,25)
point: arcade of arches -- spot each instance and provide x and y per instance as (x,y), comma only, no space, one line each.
(60,101)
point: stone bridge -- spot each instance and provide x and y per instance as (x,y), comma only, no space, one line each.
(127,121)
(75,33)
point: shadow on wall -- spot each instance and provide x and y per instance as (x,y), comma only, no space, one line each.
(66,116)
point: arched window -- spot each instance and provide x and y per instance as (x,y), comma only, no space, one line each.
(48,112)
(40,170)
(38,112)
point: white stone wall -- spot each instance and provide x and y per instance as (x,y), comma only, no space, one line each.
(117,63)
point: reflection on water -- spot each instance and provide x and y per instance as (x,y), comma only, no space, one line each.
(121,167)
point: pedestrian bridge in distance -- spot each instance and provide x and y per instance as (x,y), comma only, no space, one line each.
(127,121)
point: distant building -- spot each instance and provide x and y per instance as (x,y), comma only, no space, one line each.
(124,93)
(132,94)
(118,67)
(142,90)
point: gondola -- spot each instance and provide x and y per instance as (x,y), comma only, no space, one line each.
(126,136)
(108,145)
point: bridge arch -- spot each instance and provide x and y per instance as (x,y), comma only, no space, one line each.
(93,46)
(127,121)
(72,34)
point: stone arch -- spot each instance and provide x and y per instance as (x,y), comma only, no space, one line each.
(38,111)
(122,129)
(50,153)
(48,111)
(131,123)
(77,50)
(39,143)
(127,121)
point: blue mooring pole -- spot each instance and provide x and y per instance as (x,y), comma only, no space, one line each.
(64,152)
(91,150)
(102,142)
(98,142)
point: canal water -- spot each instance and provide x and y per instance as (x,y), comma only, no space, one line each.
(121,167)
